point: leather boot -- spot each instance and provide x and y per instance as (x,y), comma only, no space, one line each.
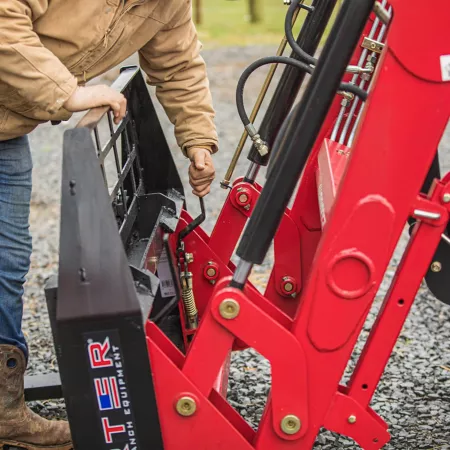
(19,426)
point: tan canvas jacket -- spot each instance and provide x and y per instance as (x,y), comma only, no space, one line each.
(48,47)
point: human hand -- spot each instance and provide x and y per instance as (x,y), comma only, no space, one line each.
(201,171)
(85,98)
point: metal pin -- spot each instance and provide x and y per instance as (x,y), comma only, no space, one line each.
(382,13)
(426,214)
(445,238)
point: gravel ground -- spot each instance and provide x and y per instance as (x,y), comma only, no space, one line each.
(414,394)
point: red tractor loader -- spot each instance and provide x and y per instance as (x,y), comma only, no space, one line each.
(147,307)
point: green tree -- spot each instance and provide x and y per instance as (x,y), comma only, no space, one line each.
(255,10)
(198,18)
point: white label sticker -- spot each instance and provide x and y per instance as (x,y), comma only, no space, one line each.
(445,67)
(165,276)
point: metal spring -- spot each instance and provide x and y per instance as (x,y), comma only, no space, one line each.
(189,302)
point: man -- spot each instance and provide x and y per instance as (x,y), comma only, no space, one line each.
(48,48)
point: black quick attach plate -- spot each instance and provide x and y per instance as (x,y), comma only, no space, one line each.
(103,358)
(115,271)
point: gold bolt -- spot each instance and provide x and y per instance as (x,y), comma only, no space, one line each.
(229,309)
(352,419)
(291,424)
(446,198)
(243,198)
(211,272)
(436,266)
(186,406)
(288,287)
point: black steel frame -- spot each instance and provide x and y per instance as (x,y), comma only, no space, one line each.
(108,283)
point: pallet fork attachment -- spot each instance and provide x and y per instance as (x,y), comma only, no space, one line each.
(114,256)
(335,203)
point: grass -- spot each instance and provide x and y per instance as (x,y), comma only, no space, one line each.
(227,23)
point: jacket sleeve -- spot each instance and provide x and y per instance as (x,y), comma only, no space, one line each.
(173,64)
(31,70)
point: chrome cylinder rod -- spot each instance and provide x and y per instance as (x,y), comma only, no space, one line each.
(358,119)
(361,60)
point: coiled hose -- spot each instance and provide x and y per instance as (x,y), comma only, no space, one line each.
(280,60)
(290,35)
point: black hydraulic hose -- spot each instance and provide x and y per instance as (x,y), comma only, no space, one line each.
(290,35)
(302,132)
(251,68)
(291,79)
(281,60)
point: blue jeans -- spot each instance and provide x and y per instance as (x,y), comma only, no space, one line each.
(15,239)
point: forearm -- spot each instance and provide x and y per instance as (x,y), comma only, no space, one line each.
(173,64)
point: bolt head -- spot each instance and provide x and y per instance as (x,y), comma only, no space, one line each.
(243,198)
(211,272)
(186,406)
(229,309)
(446,198)
(436,266)
(288,286)
(352,419)
(291,424)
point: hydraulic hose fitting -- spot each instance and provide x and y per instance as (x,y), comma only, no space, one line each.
(260,145)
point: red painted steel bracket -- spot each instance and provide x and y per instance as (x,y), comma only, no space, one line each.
(285,281)
(351,275)
(232,219)
(347,417)
(267,336)
(200,420)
